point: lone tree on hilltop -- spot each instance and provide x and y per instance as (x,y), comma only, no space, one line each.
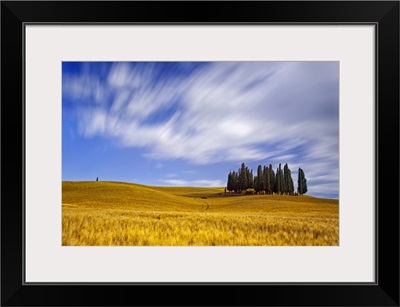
(301,183)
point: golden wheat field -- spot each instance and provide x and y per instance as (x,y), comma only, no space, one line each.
(116,213)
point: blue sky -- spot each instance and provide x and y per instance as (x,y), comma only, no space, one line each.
(190,123)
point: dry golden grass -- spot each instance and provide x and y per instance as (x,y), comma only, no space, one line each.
(112,213)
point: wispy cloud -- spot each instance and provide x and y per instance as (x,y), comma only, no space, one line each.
(219,112)
(196,183)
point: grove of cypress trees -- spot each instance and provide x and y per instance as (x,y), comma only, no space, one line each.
(266,180)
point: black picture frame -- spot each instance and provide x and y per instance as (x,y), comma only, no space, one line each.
(383,14)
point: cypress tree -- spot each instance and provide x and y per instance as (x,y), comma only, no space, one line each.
(251,180)
(285,179)
(236,182)
(279,180)
(239,182)
(272,178)
(242,178)
(305,189)
(288,180)
(239,186)
(289,188)
(291,184)
(261,179)
(267,180)
(301,183)
(233,181)
(229,185)
(283,183)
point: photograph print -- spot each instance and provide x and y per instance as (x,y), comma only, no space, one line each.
(200,153)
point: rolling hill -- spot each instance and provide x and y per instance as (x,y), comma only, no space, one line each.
(118,213)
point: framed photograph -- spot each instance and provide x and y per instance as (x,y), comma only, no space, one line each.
(239,147)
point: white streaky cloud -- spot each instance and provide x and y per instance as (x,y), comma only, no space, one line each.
(209,183)
(128,75)
(85,88)
(275,112)
(120,75)
(197,183)
(176,182)
(78,87)
(120,100)
(93,122)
